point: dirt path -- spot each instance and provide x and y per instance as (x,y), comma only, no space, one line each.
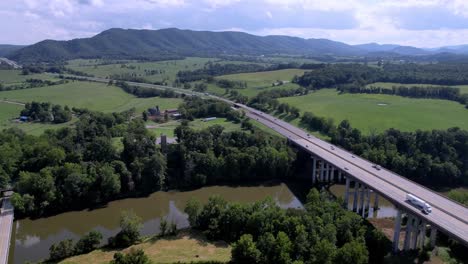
(11,102)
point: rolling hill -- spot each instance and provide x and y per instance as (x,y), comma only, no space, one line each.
(174,43)
(131,43)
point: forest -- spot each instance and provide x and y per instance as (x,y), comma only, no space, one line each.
(79,166)
(262,232)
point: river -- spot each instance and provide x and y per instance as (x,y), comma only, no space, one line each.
(31,239)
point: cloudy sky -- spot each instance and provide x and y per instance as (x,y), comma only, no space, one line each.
(422,23)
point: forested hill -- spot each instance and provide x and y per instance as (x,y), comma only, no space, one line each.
(131,43)
(6,49)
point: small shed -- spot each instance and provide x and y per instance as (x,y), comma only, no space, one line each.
(23,118)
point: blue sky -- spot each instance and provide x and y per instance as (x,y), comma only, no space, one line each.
(421,23)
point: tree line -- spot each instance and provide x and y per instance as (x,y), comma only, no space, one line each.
(331,75)
(437,158)
(262,232)
(144,92)
(436,92)
(31,83)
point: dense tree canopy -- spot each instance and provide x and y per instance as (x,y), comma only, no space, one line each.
(264,233)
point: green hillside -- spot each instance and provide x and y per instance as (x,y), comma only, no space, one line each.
(172,42)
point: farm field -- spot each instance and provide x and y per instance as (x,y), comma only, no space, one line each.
(94,96)
(259,81)
(12,77)
(463,88)
(376,112)
(166,70)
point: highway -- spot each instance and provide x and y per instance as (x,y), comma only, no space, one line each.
(6,225)
(448,216)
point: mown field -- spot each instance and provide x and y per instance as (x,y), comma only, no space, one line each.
(166,70)
(12,77)
(94,96)
(375,112)
(259,81)
(169,68)
(188,246)
(168,128)
(463,88)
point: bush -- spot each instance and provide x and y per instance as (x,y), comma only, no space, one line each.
(61,250)
(129,234)
(88,242)
(135,256)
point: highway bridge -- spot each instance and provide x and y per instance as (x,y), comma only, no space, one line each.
(363,179)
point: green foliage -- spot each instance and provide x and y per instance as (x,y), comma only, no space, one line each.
(88,242)
(193,210)
(352,253)
(265,233)
(46,112)
(135,256)
(129,234)
(61,250)
(163,227)
(245,250)
(460,196)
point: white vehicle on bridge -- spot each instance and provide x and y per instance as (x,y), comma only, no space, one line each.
(426,208)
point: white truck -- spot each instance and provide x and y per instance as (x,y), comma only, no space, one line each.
(426,208)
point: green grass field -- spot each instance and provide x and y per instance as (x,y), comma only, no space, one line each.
(186,247)
(94,96)
(168,128)
(12,77)
(169,68)
(259,81)
(463,88)
(365,113)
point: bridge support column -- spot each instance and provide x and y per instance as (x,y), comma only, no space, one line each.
(409,227)
(332,179)
(327,172)
(376,201)
(422,235)
(339,176)
(433,236)
(322,167)
(314,169)
(361,201)
(346,196)
(415,235)
(356,190)
(368,197)
(396,233)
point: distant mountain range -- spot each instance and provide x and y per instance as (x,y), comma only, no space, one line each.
(166,43)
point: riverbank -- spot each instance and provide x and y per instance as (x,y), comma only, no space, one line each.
(188,246)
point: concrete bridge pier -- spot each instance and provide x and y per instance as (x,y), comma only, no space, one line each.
(433,236)
(376,201)
(356,192)
(346,196)
(396,233)
(408,231)
(322,170)
(314,169)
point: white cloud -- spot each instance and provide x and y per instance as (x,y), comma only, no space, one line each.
(381,21)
